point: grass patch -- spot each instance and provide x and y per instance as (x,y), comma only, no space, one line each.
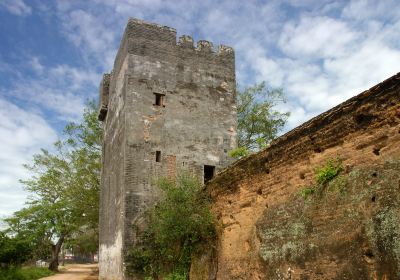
(307,192)
(325,175)
(338,184)
(24,273)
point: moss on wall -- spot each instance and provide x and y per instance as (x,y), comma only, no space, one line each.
(353,226)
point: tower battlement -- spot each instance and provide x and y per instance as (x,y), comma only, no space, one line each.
(155,32)
(186,41)
(160,42)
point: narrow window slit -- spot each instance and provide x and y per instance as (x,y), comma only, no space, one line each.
(158,156)
(160,98)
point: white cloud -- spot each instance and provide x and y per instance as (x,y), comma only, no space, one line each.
(325,61)
(93,34)
(85,30)
(36,65)
(317,37)
(297,115)
(23,133)
(61,89)
(16,7)
(371,9)
(365,68)
(270,68)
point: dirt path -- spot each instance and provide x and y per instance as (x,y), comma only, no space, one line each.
(76,272)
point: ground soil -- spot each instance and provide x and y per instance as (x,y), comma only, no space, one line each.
(76,272)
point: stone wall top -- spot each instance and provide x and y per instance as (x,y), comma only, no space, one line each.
(365,111)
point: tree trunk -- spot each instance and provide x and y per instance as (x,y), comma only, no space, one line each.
(55,250)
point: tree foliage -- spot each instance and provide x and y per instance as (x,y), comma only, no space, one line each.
(64,189)
(84,244)
(258,120)
(14,250)
(178,225)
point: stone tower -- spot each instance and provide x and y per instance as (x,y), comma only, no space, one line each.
(166,106)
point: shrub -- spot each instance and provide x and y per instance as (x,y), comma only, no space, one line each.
(324,175)
(177,276)
(178,224)
(330,170)
(14,250)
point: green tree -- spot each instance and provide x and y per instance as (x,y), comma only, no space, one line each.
(258,120)
(64,188)
(84,244)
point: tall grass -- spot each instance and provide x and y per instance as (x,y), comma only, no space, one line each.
(24,273)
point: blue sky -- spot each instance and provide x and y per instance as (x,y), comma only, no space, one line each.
(53,53)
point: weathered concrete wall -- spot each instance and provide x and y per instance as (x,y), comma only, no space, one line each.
(111,222)
(195,126)
(354,233)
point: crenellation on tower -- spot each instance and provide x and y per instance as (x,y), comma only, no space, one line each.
(204,46)
(186,41)
(156,42)
(225,51)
